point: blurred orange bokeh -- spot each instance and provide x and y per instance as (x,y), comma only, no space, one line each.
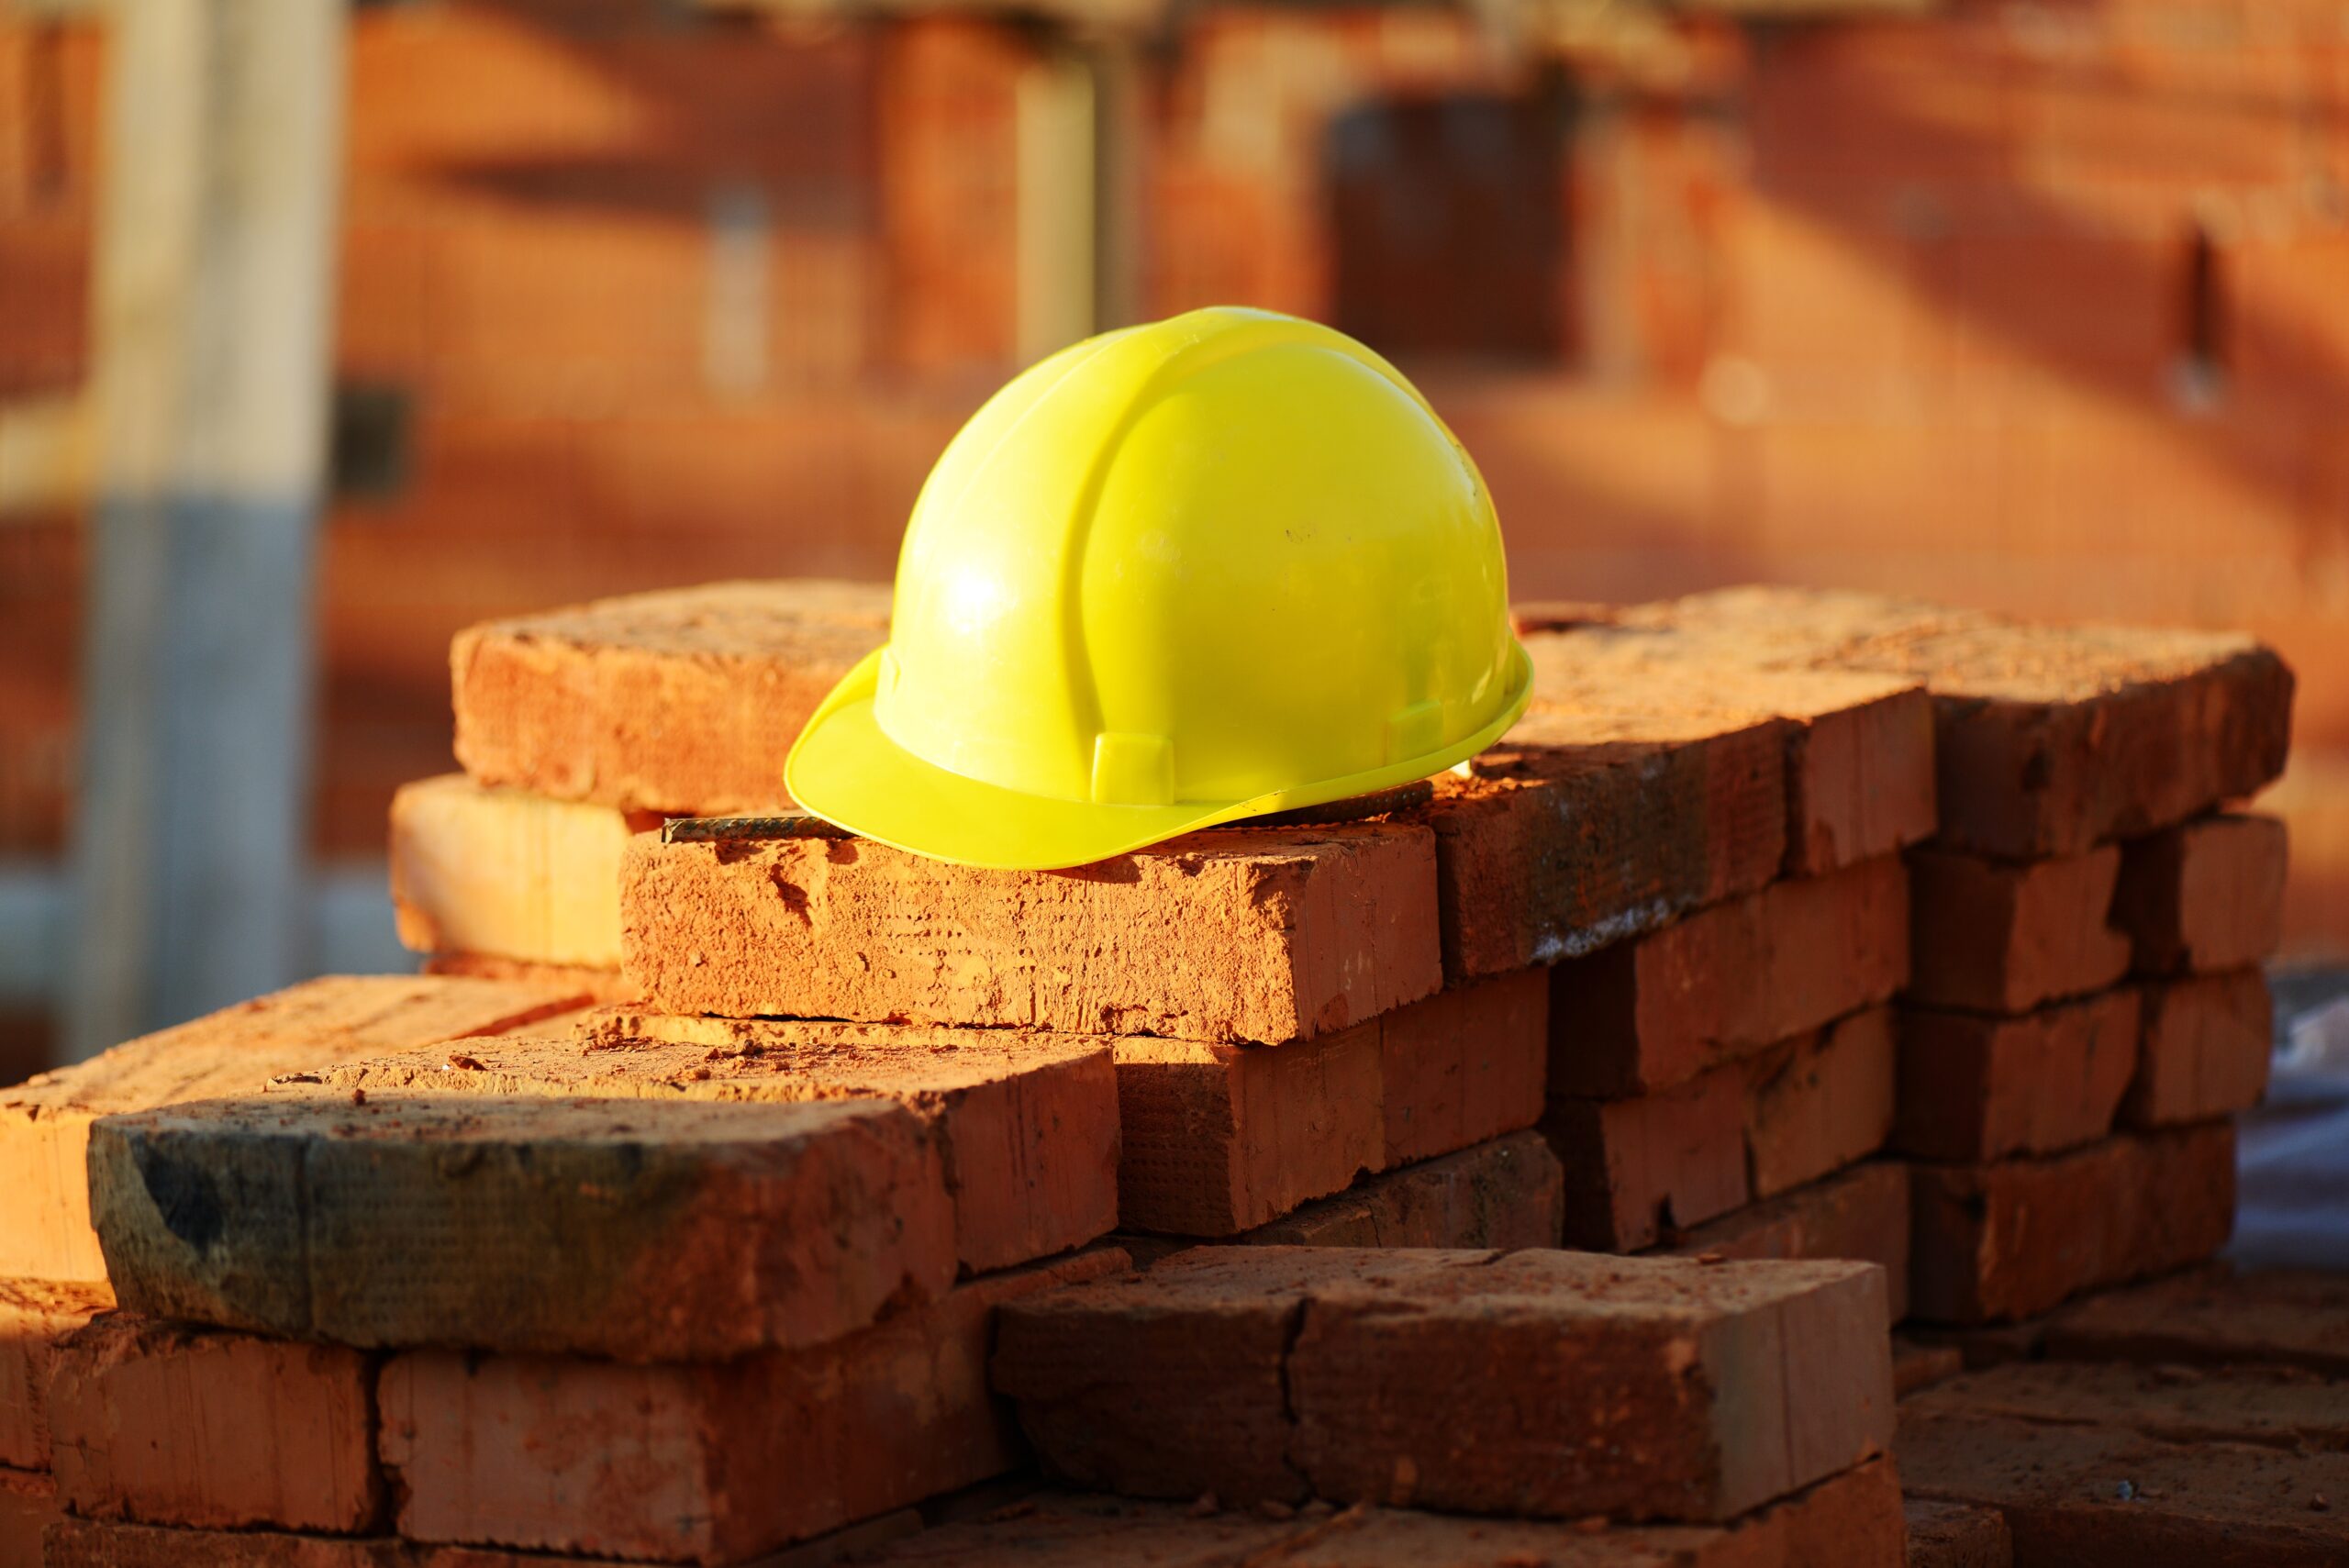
(2042,307)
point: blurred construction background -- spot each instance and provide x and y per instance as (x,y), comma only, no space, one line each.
(458,308)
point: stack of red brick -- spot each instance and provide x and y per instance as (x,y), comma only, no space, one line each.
(1716,1080)
(673,1216)
(2081,1007)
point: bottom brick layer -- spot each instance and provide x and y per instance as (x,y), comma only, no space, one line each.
(167,1423)
(87,1543)
(711,1462)
(2118,1466)
(1641,1388)
(2007,1240)
(1853,1520)
(1957,1535)
(27,1505)
(2209,1318)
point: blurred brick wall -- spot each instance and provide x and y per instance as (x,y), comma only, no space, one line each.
(2040,306)
(49,91)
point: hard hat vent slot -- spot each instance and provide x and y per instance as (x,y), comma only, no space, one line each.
(1132,770)
(1415,731)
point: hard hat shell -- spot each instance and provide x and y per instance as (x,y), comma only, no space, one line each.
(1218,565)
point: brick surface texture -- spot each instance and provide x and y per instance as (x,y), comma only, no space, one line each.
(2048,739)
(1287,1373)
(165,1424)
(1850,1519)
(2014,1238)
(507,874)
(1728,981)
(1220,1139)
(1556,844)
(1026,1123)
(45,1230)
(34,1315)
(427,1219)
(2116,1464)
(1957,1535)
(2003,938)
(683,702)
(1643,1168)
(1259,935)
(1859,747)
(706,1463)
(2208,1043)
(2282,1317)
(2206,895)
(1974,1088)
(1861,1213)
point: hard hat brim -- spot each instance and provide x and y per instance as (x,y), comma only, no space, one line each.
(846,769)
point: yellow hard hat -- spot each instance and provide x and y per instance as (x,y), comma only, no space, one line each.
(1195,571)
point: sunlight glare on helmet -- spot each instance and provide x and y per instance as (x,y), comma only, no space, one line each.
(974,602)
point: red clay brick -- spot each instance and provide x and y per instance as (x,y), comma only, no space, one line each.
(2003,938)
(2016,1237)
(1637,1169)
(2048,739)
(1465,1064)
(2104,1497)
(424,1219)
(1556,844)
(28,1504)
(596,986)
(1230,1137)
(2281,1317)
(1727,981)
(1639,1388)
(2278,1405)
(165,1424)
(1861,1213)
(1221,1137)
(1852,1520)
(1507,1191)
(713,1462)
(44,1125)
(95,1543)
(502,872)
(34,1316)
(2048,743)
(1027,1124)
(1230,935)
(2208,1042)
(1957,1535)
(1815,1104)
(1975,1088)
(1642,1168)
(683,701)
(1859,761)
(2205,896)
